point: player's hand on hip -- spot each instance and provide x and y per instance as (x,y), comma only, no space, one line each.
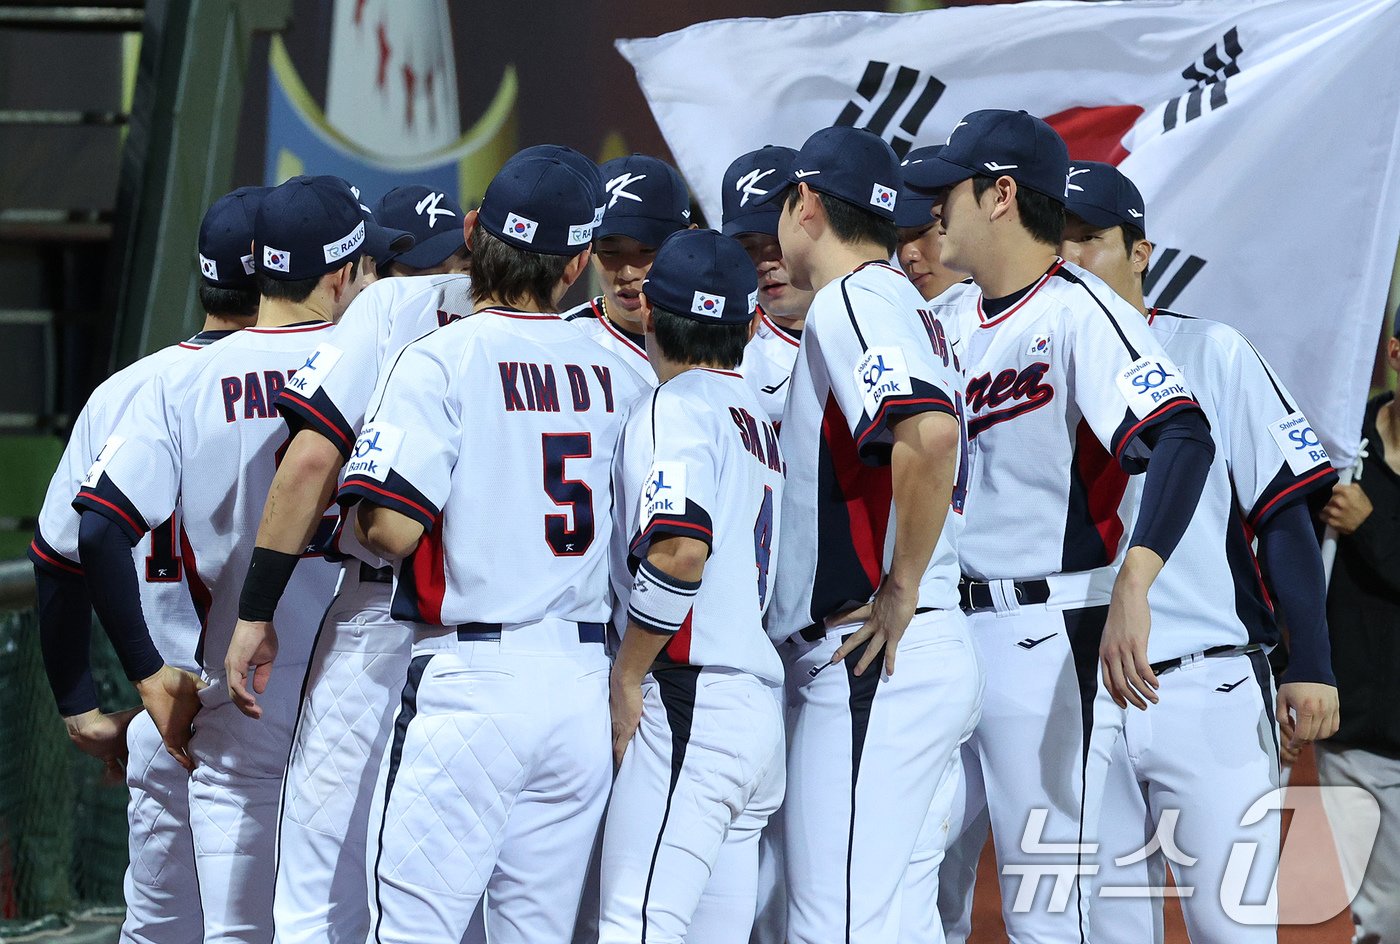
(251,653)
(172,697)
(625,705)
(885,619)
(103,736)
(1347,509)
(1127,675)
(1307,712)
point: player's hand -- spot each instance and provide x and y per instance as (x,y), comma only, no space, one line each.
(886,617)
(1306,712)
(1347,509)
(625,704)
(103,736)
(172,698)
(1288,754)
(1127,675)
(254,645)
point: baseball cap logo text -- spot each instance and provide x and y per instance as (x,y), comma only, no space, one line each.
(343,247)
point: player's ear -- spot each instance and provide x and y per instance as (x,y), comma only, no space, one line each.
(648,321)
(576,267)
(469,225)
(1004,197)
(753,324)
(1141,255)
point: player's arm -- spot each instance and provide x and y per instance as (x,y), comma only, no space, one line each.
(1371,528)
(1181,454)
(386,532)
(662,595)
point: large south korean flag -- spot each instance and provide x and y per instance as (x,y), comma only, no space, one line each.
(1263,134)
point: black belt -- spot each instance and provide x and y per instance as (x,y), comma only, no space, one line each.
(488,632)
(370,574)
(976,595)
(1167,664)
(817,631)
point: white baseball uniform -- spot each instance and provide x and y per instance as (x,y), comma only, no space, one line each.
(591,318)
(1212,617)
(1062,378)
(705,769)
(162,896)
(496,433)
(206,437)
(769,358)
(361,654)
(867,752)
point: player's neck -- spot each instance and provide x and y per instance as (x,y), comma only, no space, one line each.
(790,322)
(1012,267)
(839,259)
(227,323)
(667,369)
(279,312)
(615,313)
(514,304)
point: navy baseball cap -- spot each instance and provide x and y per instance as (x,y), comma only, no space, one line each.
(1101,195)
(539,204)
(307,227)
(647,200)
(705,276)
(749,179)
(575,161)
(915,207)
(995,142)
(850,164)
(431,216)
(226,238)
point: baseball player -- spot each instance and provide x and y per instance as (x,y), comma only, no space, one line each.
(162,898)
(646,201)
(696,685)
(770,356)
(920,236)
(872,439)
(484,469)
(1213,619)
(208,438)
(435,220)
(1066,390)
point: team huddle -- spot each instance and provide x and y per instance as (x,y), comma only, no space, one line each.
(737,603)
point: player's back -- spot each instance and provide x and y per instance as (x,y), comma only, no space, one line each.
(523,533)
(704,458)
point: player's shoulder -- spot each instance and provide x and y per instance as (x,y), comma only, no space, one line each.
(583,312)
(1071,291)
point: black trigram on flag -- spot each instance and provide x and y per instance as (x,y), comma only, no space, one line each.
(1172,271)
(876,113)
(1209,74)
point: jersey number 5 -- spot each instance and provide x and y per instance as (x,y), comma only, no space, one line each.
(574,494)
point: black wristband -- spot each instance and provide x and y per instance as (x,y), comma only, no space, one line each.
(268,573)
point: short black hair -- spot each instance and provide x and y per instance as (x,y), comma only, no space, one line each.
(503,272)
(297,291)
(228,302)
(1042,217)
(850,223)
(687,341)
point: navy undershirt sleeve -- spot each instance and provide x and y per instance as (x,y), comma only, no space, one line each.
(1182,451)
(65,632)
(1292,563)
(105,549)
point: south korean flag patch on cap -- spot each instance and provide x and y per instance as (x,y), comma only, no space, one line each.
(520,228)
(208,268)
(278,260)
(883,197)
(706,304)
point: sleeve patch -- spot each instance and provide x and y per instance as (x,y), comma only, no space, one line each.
(375,451)
(882,373)
(109,449)
(309,376)
(1301,448)
(665,491)
(1150,382)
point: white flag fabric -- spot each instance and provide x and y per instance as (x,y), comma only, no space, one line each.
(1262,133)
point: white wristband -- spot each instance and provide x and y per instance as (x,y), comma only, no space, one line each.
(659,601)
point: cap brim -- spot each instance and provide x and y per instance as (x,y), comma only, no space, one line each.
(431,251)
(913,210)
(1098,216)
(647,231)
(764,222)
(934,173)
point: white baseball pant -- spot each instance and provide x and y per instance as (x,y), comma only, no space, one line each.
(696,786)
(968,828)
(162,893)
(350,693)
(864,765)
(1185,771)
(495,782)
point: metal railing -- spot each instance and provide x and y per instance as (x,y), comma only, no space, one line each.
(16,584)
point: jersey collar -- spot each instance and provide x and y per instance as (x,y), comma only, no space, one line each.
(1004,308)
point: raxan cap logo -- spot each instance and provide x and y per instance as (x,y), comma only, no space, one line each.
(343,247)
(618,188)
(278,260)
(208,268)
(579,235)
(882,197)
(429,205)
(753,300)
(748,184)
(706,304)
(518,227)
